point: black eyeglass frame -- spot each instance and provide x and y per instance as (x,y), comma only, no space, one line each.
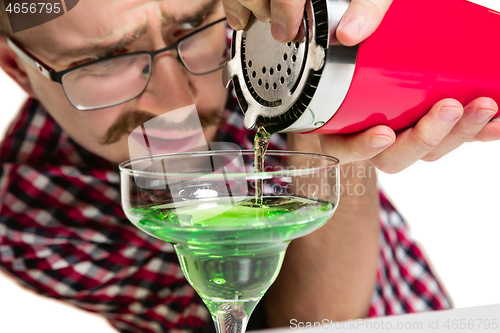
(51,74)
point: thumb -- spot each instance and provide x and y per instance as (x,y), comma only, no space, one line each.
(360,20)
(358,147)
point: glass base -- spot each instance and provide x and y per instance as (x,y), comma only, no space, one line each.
(231,316)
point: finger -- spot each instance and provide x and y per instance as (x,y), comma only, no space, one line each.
(286,17)
(237,15)
(416,142)
(360,146)
(490,132)
(476,115)
(261,9)
(360,20)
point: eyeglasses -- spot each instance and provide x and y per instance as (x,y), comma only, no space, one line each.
(119,79)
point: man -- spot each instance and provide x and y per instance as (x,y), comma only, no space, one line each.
(62,230)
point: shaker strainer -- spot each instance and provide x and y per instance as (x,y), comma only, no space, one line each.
(422,52)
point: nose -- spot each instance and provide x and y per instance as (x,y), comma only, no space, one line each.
(169,87)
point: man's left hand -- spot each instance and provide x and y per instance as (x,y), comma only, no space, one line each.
(444,128)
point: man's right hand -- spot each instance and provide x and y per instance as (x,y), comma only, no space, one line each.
(428,140)
(360,20)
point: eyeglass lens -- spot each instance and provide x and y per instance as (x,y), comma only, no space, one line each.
(205,51)
(107,83)
(118,80)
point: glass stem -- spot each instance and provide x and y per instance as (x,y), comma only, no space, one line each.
(231,316)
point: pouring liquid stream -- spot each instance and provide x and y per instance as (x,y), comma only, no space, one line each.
(261,142)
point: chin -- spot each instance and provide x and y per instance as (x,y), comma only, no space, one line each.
(116,152)
(209,133)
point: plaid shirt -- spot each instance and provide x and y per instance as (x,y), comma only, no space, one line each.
(63,234)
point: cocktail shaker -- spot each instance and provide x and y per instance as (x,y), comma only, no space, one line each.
(422,52)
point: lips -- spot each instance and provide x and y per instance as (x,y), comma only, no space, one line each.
(157,142)
(169,134)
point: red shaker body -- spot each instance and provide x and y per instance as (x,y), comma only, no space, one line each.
(422,52)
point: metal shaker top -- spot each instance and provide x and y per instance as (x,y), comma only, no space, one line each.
(275,83)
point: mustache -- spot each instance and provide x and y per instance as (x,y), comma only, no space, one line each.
(129,121)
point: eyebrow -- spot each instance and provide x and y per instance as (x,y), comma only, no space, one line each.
(99,49)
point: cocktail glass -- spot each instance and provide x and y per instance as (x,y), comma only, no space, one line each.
(230,244)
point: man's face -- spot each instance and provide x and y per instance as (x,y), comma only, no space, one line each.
(105,23)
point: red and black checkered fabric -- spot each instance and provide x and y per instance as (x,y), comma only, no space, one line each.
(64,235)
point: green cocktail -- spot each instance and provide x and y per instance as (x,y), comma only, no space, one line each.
(230,248)
(235,255)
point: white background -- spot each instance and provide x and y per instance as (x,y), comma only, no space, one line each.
(452,206)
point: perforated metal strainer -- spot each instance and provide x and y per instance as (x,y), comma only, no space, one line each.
(275,83)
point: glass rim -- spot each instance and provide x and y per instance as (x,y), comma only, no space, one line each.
(125,167)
